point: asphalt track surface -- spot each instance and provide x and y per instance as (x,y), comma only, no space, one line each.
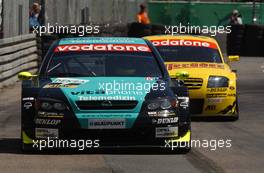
(244,156)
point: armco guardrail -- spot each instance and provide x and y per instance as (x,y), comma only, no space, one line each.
(17,54)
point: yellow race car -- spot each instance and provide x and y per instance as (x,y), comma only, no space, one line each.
(211,82)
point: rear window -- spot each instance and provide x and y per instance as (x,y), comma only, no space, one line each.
(102,63)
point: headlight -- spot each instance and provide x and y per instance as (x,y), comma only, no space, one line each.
(166,104)
(50,104)
(59,106)
(46,106)
(217,82)
(163,104)
(153,106)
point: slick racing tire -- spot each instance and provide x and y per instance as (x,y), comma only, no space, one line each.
(183,150)
(234,117)
(25,148)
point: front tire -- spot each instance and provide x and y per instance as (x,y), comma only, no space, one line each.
(236,116)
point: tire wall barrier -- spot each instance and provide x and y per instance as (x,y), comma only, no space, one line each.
(246,40)
(139,30)
(17,54)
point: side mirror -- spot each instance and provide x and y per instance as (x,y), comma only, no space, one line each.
(182,75)
(233,58)
(25,75)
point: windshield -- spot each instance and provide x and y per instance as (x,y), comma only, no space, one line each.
(94,64)
(189,54)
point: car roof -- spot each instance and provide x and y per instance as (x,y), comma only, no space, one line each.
(101,40)
(187,37)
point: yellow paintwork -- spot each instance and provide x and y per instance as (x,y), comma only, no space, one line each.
(233,58)
(185,138)
(26,139)
(182,75)
(215,105)
(25,75)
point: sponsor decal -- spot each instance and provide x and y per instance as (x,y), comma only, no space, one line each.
(210,108)
(47,121)
(70,80)
(50,114)
(150,78)
(27,105)
(215,95)
(82,92)
(103,47)
(163,113)
(166,120)
(46,133)
(166,132)
(106,123)
(58,85)
(98,98)
(217,89)
(102,40)
(65,83)
(181,42)
(214,100)
(194,65)
(106,116)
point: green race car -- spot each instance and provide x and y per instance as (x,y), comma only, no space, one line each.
(104,92)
